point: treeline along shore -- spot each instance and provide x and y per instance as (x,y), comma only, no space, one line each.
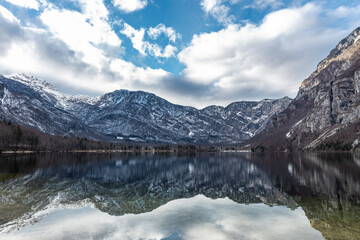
(19,139)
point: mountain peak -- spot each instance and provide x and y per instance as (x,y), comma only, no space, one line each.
(49,92)
(325,113)
(30,80)
(342,56)
(342,46)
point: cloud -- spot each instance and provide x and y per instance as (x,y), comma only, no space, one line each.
(218,10)
(157,51)
(144,47)
(130,5)
(33,4)
(136,37)
(266,60)
(83,32)
(147,76)
(192,218)
(267,3)
(8,15)
(346,12)
(33,51)
(169,32)
(67,54)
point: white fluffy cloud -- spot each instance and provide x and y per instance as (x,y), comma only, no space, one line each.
(144,47)
(136,37)
(33,4)
(169,32)
(130,5)
(146,76)
(73,52)
(218,10)
(82,31)
(267,60)
(157,51)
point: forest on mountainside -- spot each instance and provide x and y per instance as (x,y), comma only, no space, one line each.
(16,138)
(19,138)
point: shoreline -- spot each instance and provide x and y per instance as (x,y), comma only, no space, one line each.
(104,151)
(156,151)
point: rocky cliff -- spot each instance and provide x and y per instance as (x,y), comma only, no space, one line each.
(325,113)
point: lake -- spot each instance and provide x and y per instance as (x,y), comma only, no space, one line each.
(189,196)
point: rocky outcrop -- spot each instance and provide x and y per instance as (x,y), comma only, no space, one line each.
(325,112)
(2,88)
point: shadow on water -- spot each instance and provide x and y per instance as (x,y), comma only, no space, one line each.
(325,186)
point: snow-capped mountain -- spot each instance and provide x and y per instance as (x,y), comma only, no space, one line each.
(130,115)
(30,103)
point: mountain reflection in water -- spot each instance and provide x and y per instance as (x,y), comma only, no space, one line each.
(325,187)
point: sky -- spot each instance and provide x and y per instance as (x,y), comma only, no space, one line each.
(190,52)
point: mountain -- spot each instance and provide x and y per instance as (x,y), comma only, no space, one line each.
(28,105)
(325,113)
(130,115)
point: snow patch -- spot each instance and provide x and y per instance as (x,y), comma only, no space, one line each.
(34,217)
(297,124)
(257,106)
(48,91)
(355,143)
(322,137)
(135,139)
(357,38)
(289,134)
(249,133)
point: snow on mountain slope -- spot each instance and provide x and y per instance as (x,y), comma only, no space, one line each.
(28,105)
(137,115)
(49,92)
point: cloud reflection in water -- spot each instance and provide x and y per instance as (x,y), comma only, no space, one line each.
(194,218)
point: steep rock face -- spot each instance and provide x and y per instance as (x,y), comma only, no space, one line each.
(326,110)
(136,116)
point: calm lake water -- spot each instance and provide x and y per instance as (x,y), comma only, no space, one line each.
(164,196)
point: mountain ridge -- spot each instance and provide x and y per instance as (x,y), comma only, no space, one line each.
(135,115)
